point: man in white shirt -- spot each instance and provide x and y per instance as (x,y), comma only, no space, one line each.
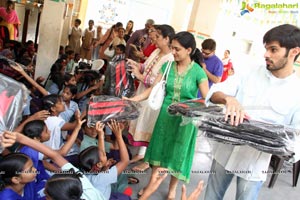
(268,94)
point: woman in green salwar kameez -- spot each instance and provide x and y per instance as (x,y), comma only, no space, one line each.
(172,145)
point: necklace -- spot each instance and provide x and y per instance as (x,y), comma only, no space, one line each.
(178,81)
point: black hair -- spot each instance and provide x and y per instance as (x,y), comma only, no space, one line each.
(68,77)
(50,100)
(209,44)
(73,89)
(62,58)
(166,31)
(70,52)
(130,31)
(34,129)
(25,61)
(9,3)
(91,21)
(56,67)
(78,21)
(119,25)
(59,80)
(13,165)
(88,158)
(121,47)
(287,35)
(65,186)
(90,76)
(227,51)
(187,40)
(197,56)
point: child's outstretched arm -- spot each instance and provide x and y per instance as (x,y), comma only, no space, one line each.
(30,80)
(101,146)
(53,155)
(117,129)
(68,126)
(69,143)
(41,115)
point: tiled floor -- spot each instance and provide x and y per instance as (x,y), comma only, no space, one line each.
(282,190)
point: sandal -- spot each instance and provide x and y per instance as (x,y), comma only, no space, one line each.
(136,158)
(133,180)
(141,167)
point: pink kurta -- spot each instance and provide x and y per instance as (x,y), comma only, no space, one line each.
(11,21)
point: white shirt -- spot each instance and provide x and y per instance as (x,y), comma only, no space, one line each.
(88,30)
(54,124)
(267,98)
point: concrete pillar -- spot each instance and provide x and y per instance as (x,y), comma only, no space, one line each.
(51,26)
(180,15)
(67,22)
(203,19)
(206,15)
(82,13)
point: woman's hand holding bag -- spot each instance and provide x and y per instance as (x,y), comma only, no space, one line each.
(157,95)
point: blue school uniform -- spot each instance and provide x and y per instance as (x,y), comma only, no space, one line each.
(42,175)
(28,193)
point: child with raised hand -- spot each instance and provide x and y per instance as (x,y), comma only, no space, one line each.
(71,106)
(38,131)
(55,105)
(65,185)
(90,138)
(94,161)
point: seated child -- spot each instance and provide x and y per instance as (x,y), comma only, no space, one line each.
(94,161)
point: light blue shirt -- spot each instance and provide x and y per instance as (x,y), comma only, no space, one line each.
(89,191)
(69,111)
(103,181)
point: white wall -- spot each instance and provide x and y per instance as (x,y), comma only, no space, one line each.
(106,13)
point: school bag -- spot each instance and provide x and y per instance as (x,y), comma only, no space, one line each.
(119,81)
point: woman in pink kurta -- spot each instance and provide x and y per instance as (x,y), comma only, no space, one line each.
(10,19)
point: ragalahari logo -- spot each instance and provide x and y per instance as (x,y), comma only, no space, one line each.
(246,8)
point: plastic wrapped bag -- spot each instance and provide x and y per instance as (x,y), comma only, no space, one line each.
(119,81)
(192,108)
(270,138)
(105,108)
(6,69)
(13,97)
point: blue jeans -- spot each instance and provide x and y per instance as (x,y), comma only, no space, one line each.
(219,181)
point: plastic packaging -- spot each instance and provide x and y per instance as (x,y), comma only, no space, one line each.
(119,80)
(270,138)
(6,69)
(13,97)
(192,108)
(105,108)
